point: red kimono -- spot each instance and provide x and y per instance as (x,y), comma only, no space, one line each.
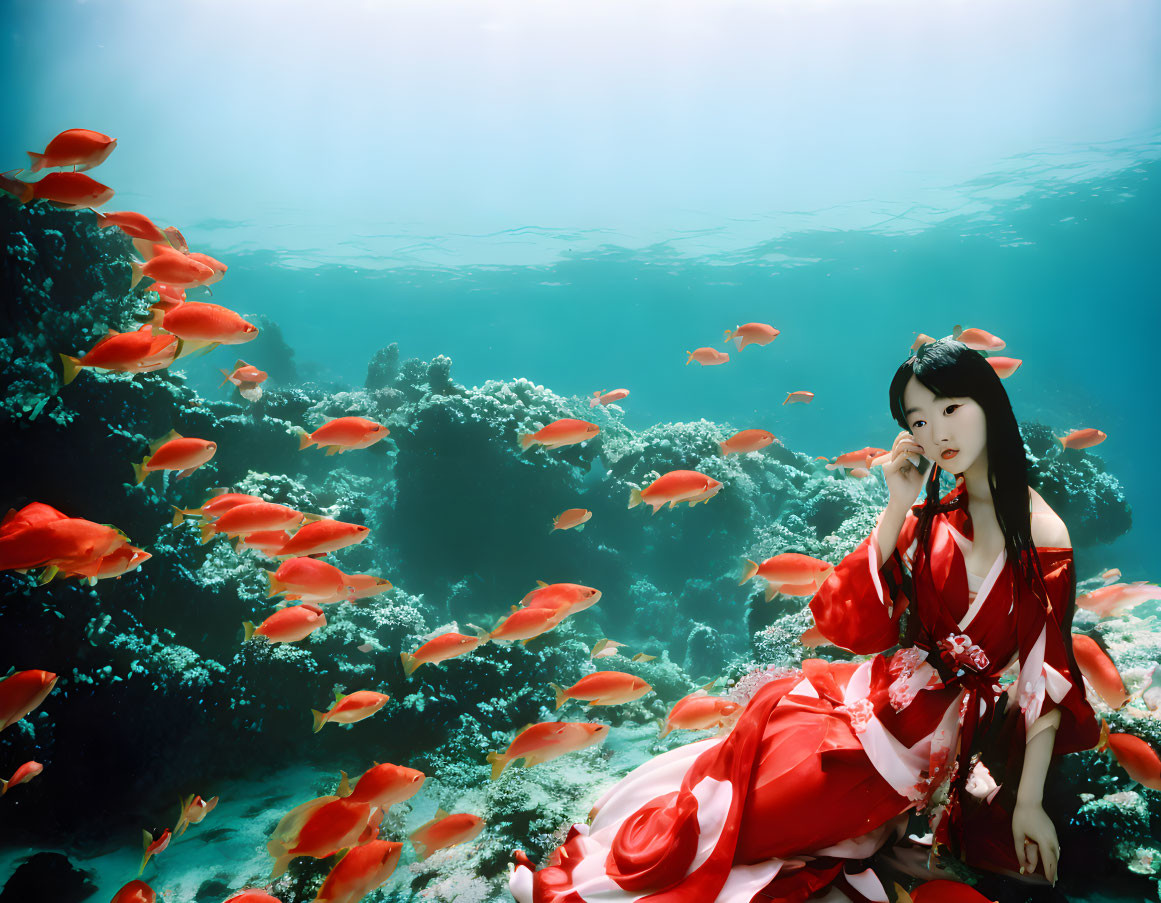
(822,767)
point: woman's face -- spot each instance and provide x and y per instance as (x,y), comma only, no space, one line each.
(944,424)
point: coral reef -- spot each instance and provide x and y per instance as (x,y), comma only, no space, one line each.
(159,694)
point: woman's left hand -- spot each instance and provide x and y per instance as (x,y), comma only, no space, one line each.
(1031,823)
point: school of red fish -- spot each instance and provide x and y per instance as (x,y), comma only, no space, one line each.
(347,821)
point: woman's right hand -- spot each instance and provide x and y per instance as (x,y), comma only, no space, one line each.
(904,479)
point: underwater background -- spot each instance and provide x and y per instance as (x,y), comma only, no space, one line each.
(461,220)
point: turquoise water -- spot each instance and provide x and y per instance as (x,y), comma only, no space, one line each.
(577,194)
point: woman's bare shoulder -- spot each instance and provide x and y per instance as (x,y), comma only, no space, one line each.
(1048,530)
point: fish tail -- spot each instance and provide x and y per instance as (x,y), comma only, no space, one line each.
(409,662)
(725,449)
(3,787)
(139,472)
(138,273)
(273,586)
(749,569)
(526,439)
(499,763)
(595,400)
(37,161)
(561,697)
(1062,442)
(280,866)
(665,728)
(208,531)
(304,440)
(23,191)
(224,381)
(248,627)
(690,358)
(320,719)
(635,497)
(71,367)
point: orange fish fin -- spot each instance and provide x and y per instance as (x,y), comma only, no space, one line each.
(541,583)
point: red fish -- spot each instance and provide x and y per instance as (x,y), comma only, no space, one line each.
(317,828)
(674,487)
(445,831)
(350,708)
(360,871)
(605,398)
(217,504)
(1118,598)
(120,561)
(752,334)
(305,578)
(135,225)
(1004,366)
(699,711)
(72,190)
(22,775)
(251,517)
(356,587)
(547,740)
(217,266)
(1136,756)
(202,323)
(171,267)
(790,573)
(363,586)
(524,624)
(247,378)
(568,598)
(82,148)
(288,625)
(979,339)
(153,847)
(135,891)
(559,433)
(343,434)
(55,542)
(193,810)
(571,517)
(1099,670)
(173,451)
(322,536)
(1085,438)
(862,458)
(116,351)
(706,356)
(746,441)
(440,649)
(383,785)
(603,688)
(799,398)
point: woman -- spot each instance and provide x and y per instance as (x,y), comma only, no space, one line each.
(822,767)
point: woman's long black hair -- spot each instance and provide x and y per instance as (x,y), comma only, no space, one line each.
(950,368)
